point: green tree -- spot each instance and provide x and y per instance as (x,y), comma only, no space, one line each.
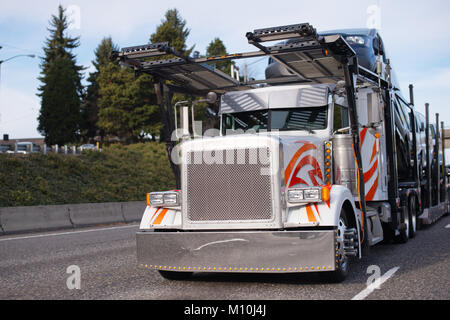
(217,48)
(59,116)
(173,29)
(61,89)
(127,106)
(89,108)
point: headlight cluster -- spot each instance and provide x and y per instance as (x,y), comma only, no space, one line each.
(300,195)
(163,199)
(355,39)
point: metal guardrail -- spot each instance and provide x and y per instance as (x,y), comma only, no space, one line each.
(29,148)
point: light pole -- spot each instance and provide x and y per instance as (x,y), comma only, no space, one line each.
(19,55)
(2,61)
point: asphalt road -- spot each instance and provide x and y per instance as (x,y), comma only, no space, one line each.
(33,266)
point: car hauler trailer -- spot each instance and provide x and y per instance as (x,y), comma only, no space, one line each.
(303,175)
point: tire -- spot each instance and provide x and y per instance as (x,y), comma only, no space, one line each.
(412,217)
(404,234)
(175,275)
(341,273)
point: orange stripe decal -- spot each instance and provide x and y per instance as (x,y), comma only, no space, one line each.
(370,173)
(372,191)
(363,135)
(316,171)
(160,216)
(374,150)
(317,209)
(310,214)
(290,166)
(155,213)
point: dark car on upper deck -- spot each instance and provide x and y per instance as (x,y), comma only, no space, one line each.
(367,44)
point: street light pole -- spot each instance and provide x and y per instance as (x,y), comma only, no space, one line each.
(19,55)
(2,61)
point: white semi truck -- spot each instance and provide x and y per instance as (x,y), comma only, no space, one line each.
(303,176)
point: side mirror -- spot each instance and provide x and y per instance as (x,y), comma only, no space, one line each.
(376,48)
(211,97)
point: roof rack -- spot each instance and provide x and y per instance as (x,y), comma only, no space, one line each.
(310,58)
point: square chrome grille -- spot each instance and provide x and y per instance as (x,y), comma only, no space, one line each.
(228,192)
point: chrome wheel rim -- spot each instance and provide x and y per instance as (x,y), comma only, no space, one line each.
(342,257)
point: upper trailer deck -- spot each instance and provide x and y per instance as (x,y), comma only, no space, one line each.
(311,59)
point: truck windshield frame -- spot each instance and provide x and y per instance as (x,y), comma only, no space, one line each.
(282,119)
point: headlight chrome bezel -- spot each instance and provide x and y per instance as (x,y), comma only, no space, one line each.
(164,199)
(304,195)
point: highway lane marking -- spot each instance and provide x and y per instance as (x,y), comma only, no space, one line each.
(447,226)
(363,294)
(68,233)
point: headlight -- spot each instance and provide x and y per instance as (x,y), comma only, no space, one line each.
(355,39)
(171,199)
(295,195)
(163,199)
(312,194)
(300,195)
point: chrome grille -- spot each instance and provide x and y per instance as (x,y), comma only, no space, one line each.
(228,192)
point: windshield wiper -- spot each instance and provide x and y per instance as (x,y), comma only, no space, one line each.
(307,129)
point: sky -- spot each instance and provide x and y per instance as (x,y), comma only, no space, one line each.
(415,34)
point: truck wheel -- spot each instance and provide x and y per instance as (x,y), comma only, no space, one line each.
(174,275)
(412,216)
(341,273)
(404,234)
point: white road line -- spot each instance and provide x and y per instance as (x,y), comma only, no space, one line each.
(363,294)
(68,233)
(447,226)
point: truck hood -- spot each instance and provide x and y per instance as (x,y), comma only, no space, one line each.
(300,159)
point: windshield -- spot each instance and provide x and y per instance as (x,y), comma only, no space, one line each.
(309,119)
(299,119)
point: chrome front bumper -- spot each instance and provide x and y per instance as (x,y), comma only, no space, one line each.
(245,251)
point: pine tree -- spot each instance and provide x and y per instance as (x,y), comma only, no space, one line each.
(173,29)
(61,89)
(60,103)
(89,108)
(217,48)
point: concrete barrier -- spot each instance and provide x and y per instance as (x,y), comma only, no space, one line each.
(133,211)
(35,218)
(1,227)
(96,213)
(40,218)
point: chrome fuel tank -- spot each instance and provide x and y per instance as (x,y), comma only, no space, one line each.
(344,162)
